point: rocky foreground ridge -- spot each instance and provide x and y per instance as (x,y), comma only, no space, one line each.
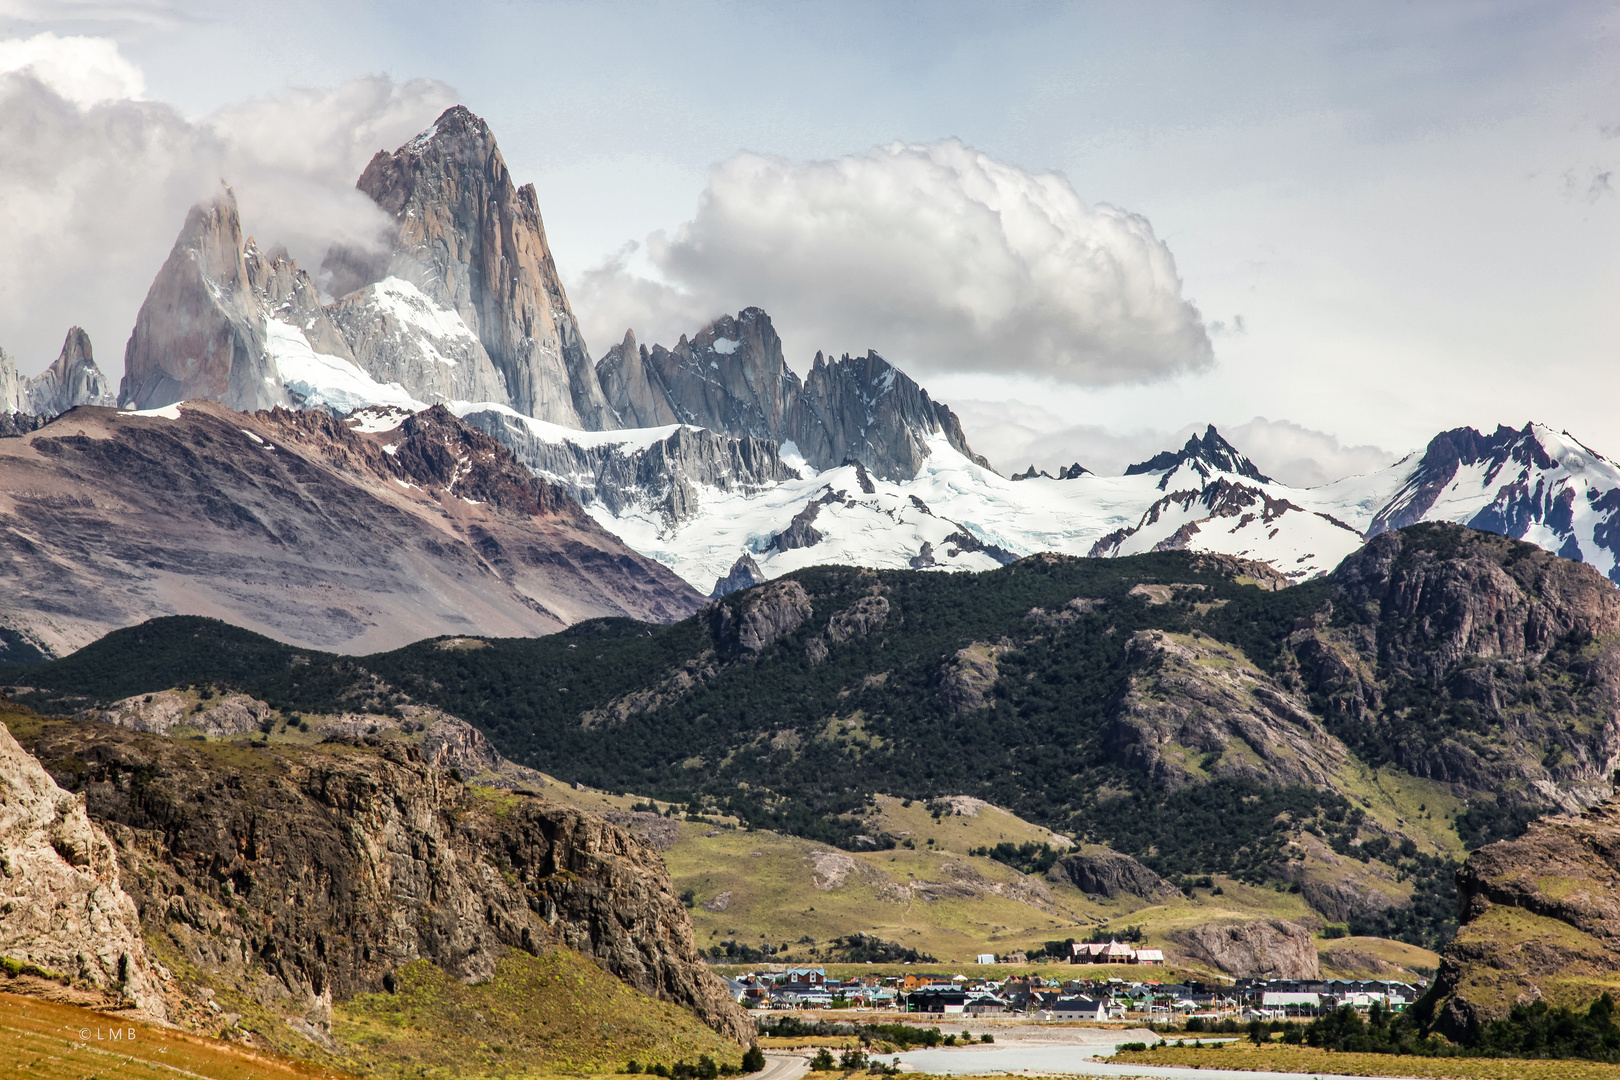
(295,873)
(1540,921)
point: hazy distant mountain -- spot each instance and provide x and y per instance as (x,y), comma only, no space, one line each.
(74,379)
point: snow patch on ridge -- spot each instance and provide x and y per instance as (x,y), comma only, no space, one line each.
(327,381)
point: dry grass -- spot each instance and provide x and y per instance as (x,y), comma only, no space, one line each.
(1305,1059)
(41,1040)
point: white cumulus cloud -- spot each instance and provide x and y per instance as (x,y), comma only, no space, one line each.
(936,255)
(83,70)
(94,184)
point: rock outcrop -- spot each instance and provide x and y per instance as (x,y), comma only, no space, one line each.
(744,574)
(1110,873)
(1263,949)
(1206,456)
(473,243)
(1514,645)
(355,535)
(62,904)
(200,332)
(304,875)
(1540,920)
(1198,709)
(760,618)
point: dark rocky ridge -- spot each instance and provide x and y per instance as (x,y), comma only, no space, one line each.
(307,875)
(1472,659)
(1206,455)
(660,476)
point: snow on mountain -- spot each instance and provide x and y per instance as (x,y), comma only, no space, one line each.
(322,381)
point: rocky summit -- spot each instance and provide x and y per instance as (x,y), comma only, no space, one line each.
(73,379)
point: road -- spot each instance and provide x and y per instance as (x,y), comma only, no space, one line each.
(783,1066)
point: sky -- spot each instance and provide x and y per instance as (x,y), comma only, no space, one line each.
(1331,230)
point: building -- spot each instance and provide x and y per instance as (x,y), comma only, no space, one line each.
(1149,956)
(934,999)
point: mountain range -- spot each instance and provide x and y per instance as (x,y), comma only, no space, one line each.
(714,457)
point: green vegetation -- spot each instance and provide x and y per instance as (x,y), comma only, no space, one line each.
(546,1015)
(1536,1030)
(803,746)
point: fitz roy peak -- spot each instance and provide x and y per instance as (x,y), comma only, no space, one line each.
(472,243)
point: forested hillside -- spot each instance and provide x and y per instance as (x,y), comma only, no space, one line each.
(1180,708)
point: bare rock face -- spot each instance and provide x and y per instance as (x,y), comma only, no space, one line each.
(1269,949)
(474,244)
(967,678)
(865,409)
(398,335)
(200,333)
(304,875)
(744,574)
(1197,708)
(1484,620)
(13,387)
(62,906)
(763,617)
(74,379)
(1109,873)
(730,377)
(867,615)
(1540,920)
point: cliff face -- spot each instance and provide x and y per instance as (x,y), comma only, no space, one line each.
(359,534)
(1472,659)
(200,332)
(1540,920)
(1270,949)
(62,905)
(474,244)
(305,875)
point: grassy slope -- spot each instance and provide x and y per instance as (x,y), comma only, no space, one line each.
(557,1014)
(42,1040)
(774,898)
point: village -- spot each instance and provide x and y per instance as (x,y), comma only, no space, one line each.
(1107,998)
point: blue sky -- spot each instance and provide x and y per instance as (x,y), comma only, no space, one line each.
(1409,207)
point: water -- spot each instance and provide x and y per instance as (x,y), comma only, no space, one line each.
(1071,1059)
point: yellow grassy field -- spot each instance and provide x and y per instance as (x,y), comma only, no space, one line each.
(41,1040)
(1305,1059)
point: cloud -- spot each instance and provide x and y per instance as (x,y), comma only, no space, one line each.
(1014,435)
(936,255)
(83,70)
(1300,456)
(93,192)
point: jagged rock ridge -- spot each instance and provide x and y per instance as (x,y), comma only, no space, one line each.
(72,380)
(731,378)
